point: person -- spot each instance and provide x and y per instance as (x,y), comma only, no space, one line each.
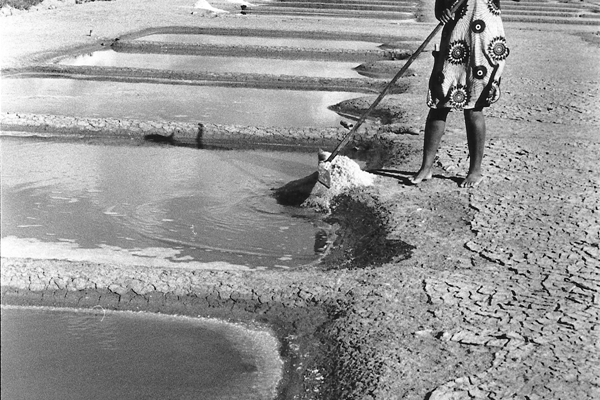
(465,77)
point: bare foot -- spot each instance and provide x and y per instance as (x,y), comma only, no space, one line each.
(422,175)
(472,180)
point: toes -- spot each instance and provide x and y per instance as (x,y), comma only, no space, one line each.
(419,177)
(415,180)
(470,182)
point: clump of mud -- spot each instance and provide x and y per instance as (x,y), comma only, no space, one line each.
(382,69)
(364,236)
(342,174)
(389,111)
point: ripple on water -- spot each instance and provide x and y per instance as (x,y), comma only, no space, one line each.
(154,205)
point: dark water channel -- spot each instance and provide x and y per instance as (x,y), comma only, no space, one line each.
(147,101)
(78,354)
(217,64)
(260,41)
(155,206)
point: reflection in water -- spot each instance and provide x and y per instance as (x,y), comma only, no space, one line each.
(260,41)
(154,205)
(91,354)
(219,105)
(217,64)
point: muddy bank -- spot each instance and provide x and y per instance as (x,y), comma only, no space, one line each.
(221,79)
(199,135)
(382,69)
(390,111)
(364,240)
(176,133)
(286,53)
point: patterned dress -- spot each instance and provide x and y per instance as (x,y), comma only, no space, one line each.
(467,69)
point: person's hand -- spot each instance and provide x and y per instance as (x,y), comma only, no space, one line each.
(446,16)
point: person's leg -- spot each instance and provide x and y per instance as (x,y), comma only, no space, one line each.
(434,130)
(475,125)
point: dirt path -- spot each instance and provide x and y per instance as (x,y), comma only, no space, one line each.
(501,296)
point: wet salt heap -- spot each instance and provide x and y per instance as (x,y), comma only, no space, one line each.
(345,175)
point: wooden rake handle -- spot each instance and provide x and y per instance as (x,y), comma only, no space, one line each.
(387,88)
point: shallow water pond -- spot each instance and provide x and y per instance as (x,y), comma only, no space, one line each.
(155,206)
(91,354)
(216,64)
(260,41)
(146,101)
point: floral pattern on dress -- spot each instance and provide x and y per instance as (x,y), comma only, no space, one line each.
(493,93)
(479,72)
(468,67)
(459,97)
(494,7)
(478,26)
(497,49)
(458,52)
(462,10)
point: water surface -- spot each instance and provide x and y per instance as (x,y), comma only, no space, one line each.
(260,41)
(155,206)
(147,101)
(81,354)
(216,64)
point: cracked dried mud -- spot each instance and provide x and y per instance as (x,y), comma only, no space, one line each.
(499,298)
